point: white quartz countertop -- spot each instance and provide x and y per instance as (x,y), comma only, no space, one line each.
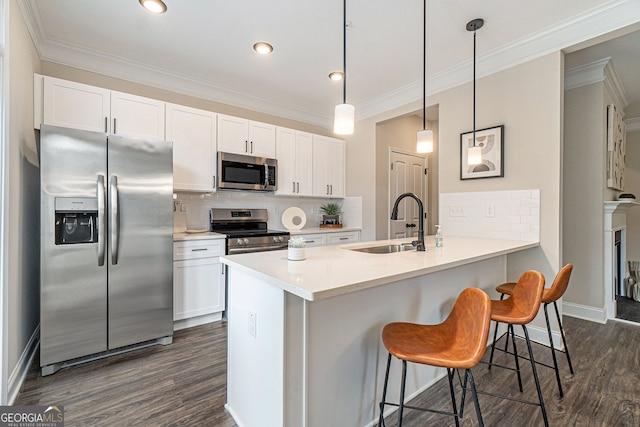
(180,237)
(335,270)
(317,230)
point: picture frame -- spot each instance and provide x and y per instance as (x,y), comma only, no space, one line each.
(492,142)
(616,148)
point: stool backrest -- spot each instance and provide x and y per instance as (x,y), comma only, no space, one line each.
(559,285)
(469,322)
(527,293)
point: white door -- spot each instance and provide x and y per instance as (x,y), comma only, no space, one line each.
(75,105)
(136,116)
(262,140)
(407,174)
(233,134)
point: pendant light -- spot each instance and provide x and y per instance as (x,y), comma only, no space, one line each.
(424,138)
(344,118)
(474,154)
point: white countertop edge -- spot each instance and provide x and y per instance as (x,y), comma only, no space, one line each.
(207,235)
(356,286)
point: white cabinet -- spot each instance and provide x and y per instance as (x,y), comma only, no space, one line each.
(330,238)
(328,167)
(294,151)
(198,278)
(70,104)
(193,133)
(242,136)
(63,103)
(136,116)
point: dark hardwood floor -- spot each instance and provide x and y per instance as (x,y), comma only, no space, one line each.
(184,384)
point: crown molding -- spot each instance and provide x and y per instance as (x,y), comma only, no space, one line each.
(585,26)
(601,71)
(632,124)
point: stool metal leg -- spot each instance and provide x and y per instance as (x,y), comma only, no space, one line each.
(515,353)
(453,395)
(564,341)
(495,338)
(553,350)
(475,397)
(384,392)
(535,377)
(401,403)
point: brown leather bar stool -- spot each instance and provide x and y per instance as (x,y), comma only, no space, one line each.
(520,309)
(549,295)
(457,343)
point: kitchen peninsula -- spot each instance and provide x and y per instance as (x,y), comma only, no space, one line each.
(304,336)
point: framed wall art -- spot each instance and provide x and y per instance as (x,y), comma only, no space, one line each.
(492,142)
(616,146)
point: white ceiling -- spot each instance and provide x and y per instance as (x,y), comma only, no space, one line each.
(204,47)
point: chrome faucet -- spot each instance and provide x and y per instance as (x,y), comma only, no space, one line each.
(418,244)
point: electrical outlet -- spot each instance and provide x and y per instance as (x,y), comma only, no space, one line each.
(252,323)
(457,210)
(489,210)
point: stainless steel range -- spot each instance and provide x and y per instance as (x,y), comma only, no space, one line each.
(247,231)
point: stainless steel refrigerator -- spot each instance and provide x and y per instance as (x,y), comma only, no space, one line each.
(106,254)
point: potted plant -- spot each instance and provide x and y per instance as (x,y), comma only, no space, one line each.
(331,215)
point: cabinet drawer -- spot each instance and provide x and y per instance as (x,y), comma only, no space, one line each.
(314,239)
(195,249)
(343,238)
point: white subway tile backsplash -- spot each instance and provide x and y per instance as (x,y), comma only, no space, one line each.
(516,214)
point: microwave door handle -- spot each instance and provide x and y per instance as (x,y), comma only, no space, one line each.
(266,176)
(114,219)
(101,223)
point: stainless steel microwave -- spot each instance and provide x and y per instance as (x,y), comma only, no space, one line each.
(239,172)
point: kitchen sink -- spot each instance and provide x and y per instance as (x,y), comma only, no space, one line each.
(385,249)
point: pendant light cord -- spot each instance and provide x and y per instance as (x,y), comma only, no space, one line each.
(344,51)
(424,69)
(474,88)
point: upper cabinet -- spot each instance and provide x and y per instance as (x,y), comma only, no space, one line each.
(75,105)
(328,167)
(242,136)
(193,133)
(136,116)
(294,151)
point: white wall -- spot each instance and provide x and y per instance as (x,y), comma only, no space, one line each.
(632,177)
(24,194)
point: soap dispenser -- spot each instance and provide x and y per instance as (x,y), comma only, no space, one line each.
(438,237)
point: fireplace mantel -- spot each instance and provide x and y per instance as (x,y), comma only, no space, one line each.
(619,206)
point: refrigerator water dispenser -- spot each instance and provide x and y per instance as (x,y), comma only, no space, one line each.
(76,220)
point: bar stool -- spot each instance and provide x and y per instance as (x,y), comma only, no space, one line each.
(457,343)
(520,309)
(549,295)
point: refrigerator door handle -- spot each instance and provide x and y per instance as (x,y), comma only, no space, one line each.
(114,219)
(101,223)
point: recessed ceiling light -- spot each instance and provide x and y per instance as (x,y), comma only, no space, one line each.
(263,48)
(336,75)
(154,6)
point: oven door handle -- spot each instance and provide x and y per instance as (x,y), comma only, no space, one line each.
(266,176)
(235,251)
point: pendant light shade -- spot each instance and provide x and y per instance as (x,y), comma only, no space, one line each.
(474,154)
(344,119)
(424,139)
(345,115)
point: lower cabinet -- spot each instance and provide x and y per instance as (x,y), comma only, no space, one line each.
(330,238)
(198,279)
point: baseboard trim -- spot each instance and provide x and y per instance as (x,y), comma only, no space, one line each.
(196,321)
(22,367)
(585,312)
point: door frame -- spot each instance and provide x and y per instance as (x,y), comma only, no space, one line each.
(4,194)
(423,197)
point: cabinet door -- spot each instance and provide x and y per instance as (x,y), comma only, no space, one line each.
(75,105)
(321,165)
(193,133)
(198,288)
(233,134)
(312,240)
(304,164)
(286,156)
(336,168)
(136,116)
(262,140)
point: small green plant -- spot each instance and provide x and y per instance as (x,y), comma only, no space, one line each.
(331,209)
